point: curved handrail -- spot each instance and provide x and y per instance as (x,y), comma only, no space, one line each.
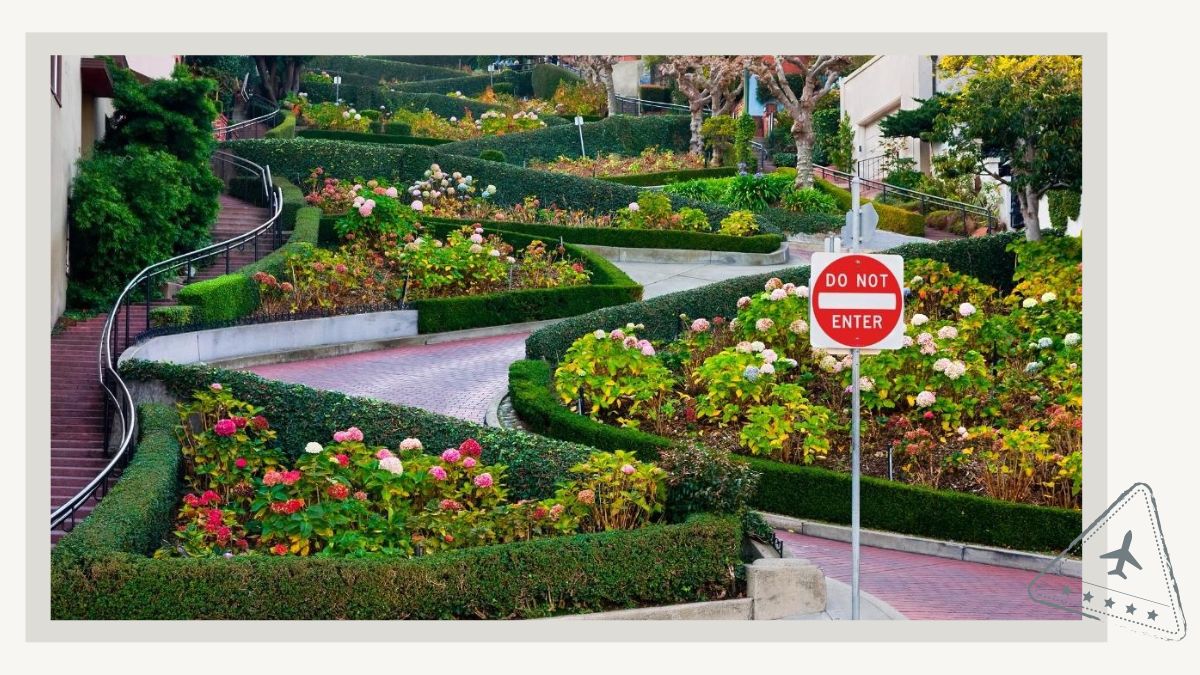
(923,197)
(231,132)
(118,394)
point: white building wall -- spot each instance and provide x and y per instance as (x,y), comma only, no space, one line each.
(66,124)
(880,87)
(627,76)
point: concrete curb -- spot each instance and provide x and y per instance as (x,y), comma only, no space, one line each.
(326,351)
(491,418)
(1032,562)
(621,254)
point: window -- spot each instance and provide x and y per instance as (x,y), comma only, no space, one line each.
(56,79)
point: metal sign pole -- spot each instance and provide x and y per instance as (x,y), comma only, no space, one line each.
(855,236)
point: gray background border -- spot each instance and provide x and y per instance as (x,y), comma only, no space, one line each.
(1093,46)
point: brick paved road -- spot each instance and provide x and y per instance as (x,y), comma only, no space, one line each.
(926,587)
(460,379)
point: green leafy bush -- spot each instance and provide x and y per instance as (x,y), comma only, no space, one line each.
(719,133)
(362,137)
(468,85)
(546,77)
(617,377)
(890,217)
(396,128)
(1064,206)
(809,200)
(492,155)
(376,69)
(174,315)
(223,298)
(743,134)
(784,158)
(286,128)
(668,177)
(739,224)
(654,92)
(950,221)
(620,135)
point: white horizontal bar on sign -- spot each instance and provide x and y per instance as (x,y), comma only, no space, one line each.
(856,301)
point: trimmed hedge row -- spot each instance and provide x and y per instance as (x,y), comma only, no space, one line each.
(611,236)
(439,104)
(293,201)
(545,78)
(361,96)
(394,139)
(286,128)
(816,493)
(224,298)
(665,177)
(381,69)
(984,258)
(620,134)
(294,158)
(609,286)
(470,85)
(99,571)
(891,218)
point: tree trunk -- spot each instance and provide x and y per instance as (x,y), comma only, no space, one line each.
(696,144)
(1030,200)
(802,132)
(610,88)
(266,78)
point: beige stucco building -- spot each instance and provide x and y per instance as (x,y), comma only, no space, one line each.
(80,105)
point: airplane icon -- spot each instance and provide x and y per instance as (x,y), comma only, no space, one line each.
(1122,556)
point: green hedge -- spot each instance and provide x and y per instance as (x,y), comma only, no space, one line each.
(545,78)
(453,62)
(100,570)
(984,258)
(394,128)
(380,69)
(665,177)
(1063,206)
(286,128)
(891,218)
(439,104)
(611,236)
(361,96)
(816,493)
(224,298)
(654,92)
(620,134)
(390,138)
(294,158)
(171,315)
(293,201)
(469,85)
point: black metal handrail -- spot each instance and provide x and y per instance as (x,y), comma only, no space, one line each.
(638,104)
(926,200)
(249,128)
(871,168)
(118,401)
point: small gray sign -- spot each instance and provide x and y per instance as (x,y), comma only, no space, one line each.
(870,221)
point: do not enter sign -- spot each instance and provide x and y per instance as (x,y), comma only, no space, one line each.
(857,301)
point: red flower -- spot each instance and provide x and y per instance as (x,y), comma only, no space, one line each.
(214,515)
(225,427)
(191,500)
(338,491)
(212,528)
(718,320)
(223,534)
(360,496)
(928,414)
(343,459)
(240,462)
(449,539)
(210,497)
(290,477)
(239,422)
(279,549)
(690,413)
(539,512)
(260,423)
(471,448)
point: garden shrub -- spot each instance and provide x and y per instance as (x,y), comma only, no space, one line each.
(784,158)
(98,571)
(492,155)
(818,493)
(468,85)
(668,177)
(223,298)
(286,128)
(739,224)
(654,92)
(620,135)
(545,78)
(174,315)
(395,128)
(951,221)
(890,217)
(985,258)
(1063,206)
(361,137)
(293,201)
(438,104)
(376,69)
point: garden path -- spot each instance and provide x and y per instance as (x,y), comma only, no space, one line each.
(76,397)
(927,587)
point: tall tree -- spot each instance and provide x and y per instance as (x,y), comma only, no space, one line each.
(706,81)
(820,73)
(599,69)
(279,75)
(1024,113)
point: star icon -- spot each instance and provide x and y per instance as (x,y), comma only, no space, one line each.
(1152,615)
(1130,609)
(1087,597)
(1108,602)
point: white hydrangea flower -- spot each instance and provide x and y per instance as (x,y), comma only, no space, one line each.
(1045,343)
(769,356)
(757,346)
(1029,302)
(600,335)
(314,448)
(1049,296)
(919,320)
(1072,339)
(966,309)
(926,398)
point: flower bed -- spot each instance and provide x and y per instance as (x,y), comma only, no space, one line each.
(965,404)
(650,160)
(758,192)
(100,570)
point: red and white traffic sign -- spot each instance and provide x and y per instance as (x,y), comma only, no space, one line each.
(856,301)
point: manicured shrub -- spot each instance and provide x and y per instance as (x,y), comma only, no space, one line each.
(293,201)
(621,135)
(388,138)
(493,156)
(394,128)
(784,158)
(950,221)
(654,92)
(985,258)
(890,217)
(668,177)
(174,315)
(545,78)
(376,69)
(817,493)
(739,224)
(286,128)
(468,85)
(223,298)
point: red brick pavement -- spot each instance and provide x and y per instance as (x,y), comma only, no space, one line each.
(460,378)
(927,587)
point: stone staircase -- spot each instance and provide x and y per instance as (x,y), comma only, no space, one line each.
(77,400)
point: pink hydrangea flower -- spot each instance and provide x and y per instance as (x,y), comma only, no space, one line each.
(437,472)
(778,294)
(392,192)
(225,427)
(339,437)
(215,386)
(354,434)
(469,462)
(365,211)
(617,334)
(743,301)
(700,326)
(483,480)
(628,469)
(470,448)
(450,455)
(410,444)
(926,399)
(764,324)
(240,462)
(769,356)
(383,453)
(392,465)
